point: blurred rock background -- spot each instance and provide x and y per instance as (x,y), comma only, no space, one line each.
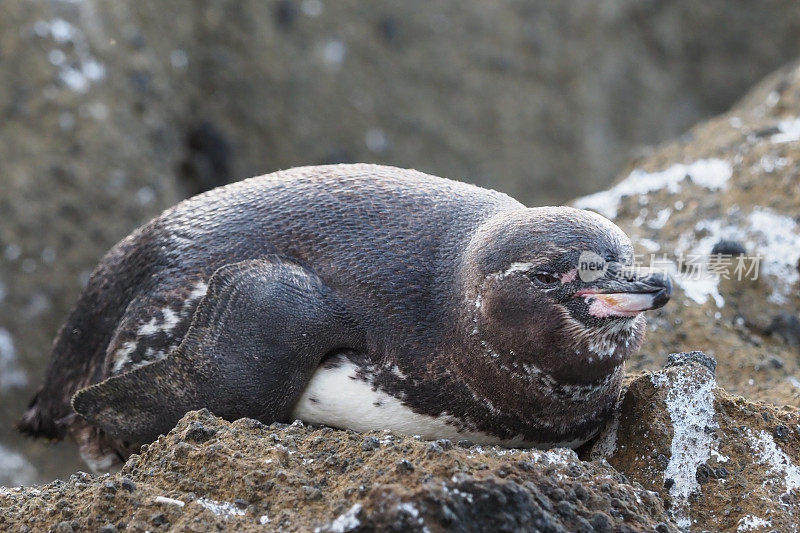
(112,111)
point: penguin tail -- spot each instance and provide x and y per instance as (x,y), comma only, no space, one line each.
(36,422)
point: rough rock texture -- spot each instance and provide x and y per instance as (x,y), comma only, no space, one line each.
(245,476)
(113,110)
(731,183)
(681,454)
(720,462)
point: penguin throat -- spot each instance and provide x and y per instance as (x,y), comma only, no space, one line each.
(579,355)
(612,341)
(535,399)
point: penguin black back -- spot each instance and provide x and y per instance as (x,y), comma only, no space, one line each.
(359,224)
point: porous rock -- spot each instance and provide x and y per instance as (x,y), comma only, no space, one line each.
(680,453)
(271,470)
(720,462)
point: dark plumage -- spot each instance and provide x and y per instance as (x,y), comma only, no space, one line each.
(407,301)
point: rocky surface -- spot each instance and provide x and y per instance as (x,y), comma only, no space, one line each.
(720,462)
(210,474)
(682,454)
(729,185)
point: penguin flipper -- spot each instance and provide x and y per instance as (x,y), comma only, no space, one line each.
(255,340)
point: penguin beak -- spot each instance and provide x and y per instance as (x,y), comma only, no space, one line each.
(626,292)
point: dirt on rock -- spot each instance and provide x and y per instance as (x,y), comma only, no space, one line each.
(210,474)
(681,454)
(720,462)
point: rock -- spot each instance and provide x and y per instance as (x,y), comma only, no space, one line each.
(404,467)
(243,480)
(680,453)
(728,461)
(726,247)
(63,527)
(109,487)
(370,443)
(197,432)
(444,444)
(434,449)
(729,186)
(674,425)
(483,505)
(696,357)
(786,326)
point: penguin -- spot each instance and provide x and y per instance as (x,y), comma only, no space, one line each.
(361,297)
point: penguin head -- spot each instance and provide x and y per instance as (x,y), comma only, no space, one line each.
(557,288)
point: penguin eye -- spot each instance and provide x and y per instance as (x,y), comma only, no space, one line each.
(545,278)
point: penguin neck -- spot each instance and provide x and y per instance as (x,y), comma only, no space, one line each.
(564,351)
(532,399)
(587,359)
(483,360)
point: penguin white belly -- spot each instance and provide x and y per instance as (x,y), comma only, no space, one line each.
(338,397)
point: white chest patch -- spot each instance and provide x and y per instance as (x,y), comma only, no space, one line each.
(337,397)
